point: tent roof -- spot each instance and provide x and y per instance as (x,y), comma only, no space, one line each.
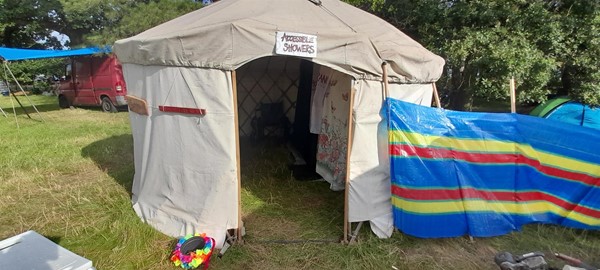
(230,33)
(12,54)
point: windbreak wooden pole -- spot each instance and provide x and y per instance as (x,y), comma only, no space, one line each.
(436,95)
(348,151)
(239,233)
(513,96)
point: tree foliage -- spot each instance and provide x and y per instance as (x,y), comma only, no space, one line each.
(31,23)
(548,46)
(141,17)
(82,18)
(25,22)
(25,71)
(35,24)
(580,54)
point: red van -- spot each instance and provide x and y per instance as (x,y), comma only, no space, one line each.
(93,81)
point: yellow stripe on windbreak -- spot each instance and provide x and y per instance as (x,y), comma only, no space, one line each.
(474,205)
(481,146)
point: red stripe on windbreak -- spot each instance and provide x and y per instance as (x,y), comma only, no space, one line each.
(451,194)
(470,193)
(410,150)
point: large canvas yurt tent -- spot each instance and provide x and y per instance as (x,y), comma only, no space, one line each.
(199,78)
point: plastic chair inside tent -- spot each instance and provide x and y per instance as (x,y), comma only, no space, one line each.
(269,119)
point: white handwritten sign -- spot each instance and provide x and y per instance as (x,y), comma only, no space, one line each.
(297,44)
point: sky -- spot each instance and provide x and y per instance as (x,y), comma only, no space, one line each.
(62,38)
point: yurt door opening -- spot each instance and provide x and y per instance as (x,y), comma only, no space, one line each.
(293,120)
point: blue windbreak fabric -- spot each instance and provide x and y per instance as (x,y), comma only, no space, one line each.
(487,174)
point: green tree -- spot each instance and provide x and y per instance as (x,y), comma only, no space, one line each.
(143,16)
(579,53)
(25,23)
(486,42)
(25,71)
(31,23)
(80,18)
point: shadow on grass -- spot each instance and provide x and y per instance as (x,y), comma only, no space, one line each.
(275,205)
(41,108)
(54,239)
(113,155)
(99,109)
(47,107)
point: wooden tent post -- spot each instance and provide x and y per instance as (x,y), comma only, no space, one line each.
(385,80)
(237,156)
(348,151)
(513,97)
(436,95)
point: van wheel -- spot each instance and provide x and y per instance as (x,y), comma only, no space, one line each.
(63,102)
(107,105)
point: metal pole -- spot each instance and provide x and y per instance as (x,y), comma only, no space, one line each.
(11,101)
(1,110)
(19,85)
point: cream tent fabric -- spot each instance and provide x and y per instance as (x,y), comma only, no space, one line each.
(185,165)
(230,33)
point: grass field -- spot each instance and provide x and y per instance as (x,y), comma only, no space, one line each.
(69,178)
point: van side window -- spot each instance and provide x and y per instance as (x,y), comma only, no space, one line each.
(68,72)
(83,68)
(101,66)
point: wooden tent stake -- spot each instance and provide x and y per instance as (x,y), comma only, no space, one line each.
(355,233)
(436,95)
(348,151)
(513,97)
(237,155)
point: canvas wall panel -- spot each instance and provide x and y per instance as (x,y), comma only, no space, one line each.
(185,165)
(370,188)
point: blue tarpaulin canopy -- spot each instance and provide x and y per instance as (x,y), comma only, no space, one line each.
(12,54)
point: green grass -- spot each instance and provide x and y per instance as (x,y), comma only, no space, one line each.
(69,178)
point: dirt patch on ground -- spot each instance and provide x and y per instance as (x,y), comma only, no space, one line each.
(263,228)
(458,253)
